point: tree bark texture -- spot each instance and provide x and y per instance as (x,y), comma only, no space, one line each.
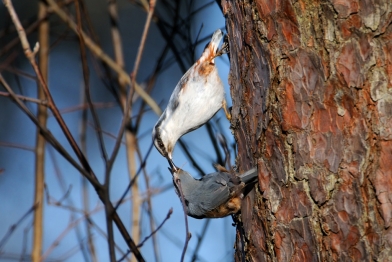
(311,84)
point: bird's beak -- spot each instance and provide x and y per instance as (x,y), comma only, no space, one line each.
(172,165)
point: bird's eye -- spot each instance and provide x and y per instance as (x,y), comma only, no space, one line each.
(160,143)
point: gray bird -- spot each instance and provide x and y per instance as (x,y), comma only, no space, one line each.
(215,195)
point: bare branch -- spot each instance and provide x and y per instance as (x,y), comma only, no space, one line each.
(26,98)
(14,226)
(42,115)
(87,171)
(143,41)
(48,135)
(104,57)
(200,239)
(31,56)
(156,230)
(65,232)
(86,78)
(152,233)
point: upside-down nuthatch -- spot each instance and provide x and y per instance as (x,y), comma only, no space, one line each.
(215,195)
(197,97)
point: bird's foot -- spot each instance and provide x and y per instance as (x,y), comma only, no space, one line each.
(227,113)
(224,48)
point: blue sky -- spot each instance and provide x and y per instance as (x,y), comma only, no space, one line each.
(17,181)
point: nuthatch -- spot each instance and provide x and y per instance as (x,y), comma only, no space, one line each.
(197,97)
(215,195)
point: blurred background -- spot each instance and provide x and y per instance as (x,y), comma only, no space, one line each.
(74,217)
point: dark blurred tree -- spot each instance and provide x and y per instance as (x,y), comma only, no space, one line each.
(311,83)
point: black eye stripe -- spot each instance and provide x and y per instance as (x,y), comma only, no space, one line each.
(159,141)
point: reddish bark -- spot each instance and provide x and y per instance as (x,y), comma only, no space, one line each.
(311,83)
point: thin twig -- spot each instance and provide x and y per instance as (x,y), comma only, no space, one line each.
(98,130)
(136,202)
(157,229)
(7,66)
(109,225)
(86,78)
(149,208)
(135,177)
(214,142)
(48,135)
(103,234)
(200,239)
(87,171)
(150,235)
(31,57)
(151,82)
(143,41)
(109,164)
(187,233)
(70,226)
(72,251)
(51,139)
(15,226)
(66,197)
(26,98)
(32,26)
(191,158)
(130,136)
(103,56)
(85,187)
(169,38)
(85,105)
(223,143)
(18,146)
(24,241)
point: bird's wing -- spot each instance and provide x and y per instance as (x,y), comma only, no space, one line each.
(213,192)
(207,55)
(175,98)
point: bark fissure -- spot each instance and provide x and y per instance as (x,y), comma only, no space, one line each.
(312,106)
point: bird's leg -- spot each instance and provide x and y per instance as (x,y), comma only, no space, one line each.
(172,165)
(224,106)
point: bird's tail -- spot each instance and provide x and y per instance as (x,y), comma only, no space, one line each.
(212,48)
(249,176)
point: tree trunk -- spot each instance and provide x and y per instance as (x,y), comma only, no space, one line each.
(311,83)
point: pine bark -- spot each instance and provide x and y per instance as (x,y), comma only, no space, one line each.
(311,84)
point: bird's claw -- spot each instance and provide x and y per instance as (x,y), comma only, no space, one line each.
(227,113)
(224,48)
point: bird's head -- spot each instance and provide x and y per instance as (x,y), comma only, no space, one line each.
(158,142)
(163,144)
(183,178)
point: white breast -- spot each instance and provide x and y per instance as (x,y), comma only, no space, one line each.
(199,100)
